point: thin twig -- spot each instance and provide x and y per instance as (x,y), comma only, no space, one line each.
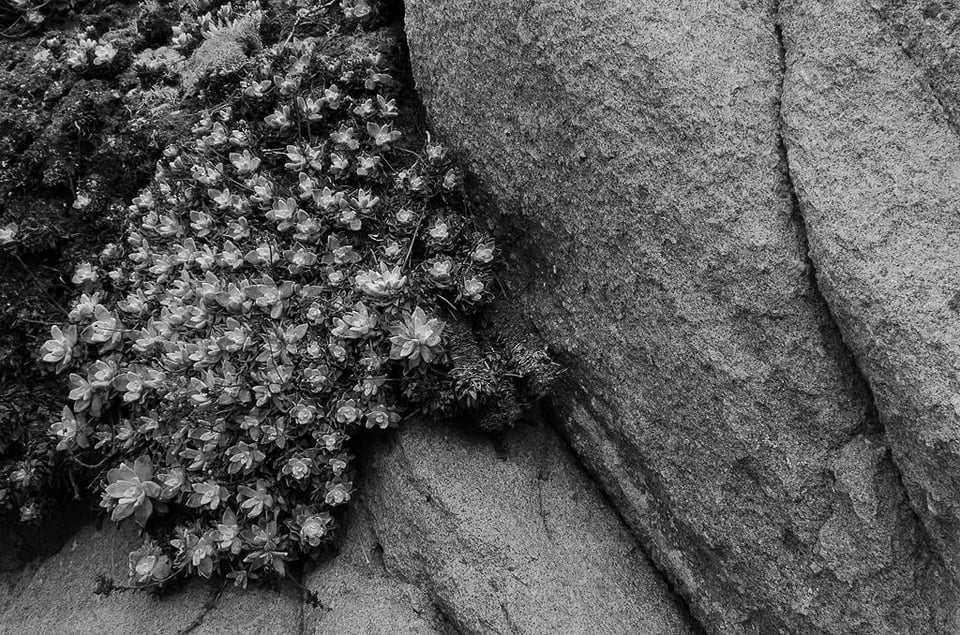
(413,240)
(40,285)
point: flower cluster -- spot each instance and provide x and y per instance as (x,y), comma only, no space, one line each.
(8,234)
(291,276)
(85,51)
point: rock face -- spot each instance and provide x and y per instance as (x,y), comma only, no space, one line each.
(870,104)
(514,539)
(634,151)
(452,536)
(359,595)
(25,545)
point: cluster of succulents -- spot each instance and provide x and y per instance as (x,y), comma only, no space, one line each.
(86,51)
(297,272)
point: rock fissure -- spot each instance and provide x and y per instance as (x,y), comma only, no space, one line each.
(795,211)
(478,541)
(642,544)
(872,424)
(302,614)
(668,256)
(871,421)
(454,626)
(205,610)
(516,630)
(512,228)
(542,476)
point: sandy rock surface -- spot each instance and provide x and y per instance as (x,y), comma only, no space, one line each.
(511,536)
(870,113)
(635,153)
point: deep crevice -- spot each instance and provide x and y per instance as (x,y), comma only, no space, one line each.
(450,625)
(443,611)
(550,415)
(872,424)
(511,230)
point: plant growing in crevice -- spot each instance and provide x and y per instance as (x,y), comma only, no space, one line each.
(297,271)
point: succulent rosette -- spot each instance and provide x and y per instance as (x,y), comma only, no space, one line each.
(299,270)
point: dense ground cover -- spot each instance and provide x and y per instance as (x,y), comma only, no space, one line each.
(295,268)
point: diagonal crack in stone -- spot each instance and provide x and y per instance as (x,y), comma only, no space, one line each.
(873,421)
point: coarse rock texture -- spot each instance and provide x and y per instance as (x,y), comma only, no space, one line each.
(59,598)
(512,536)
(359,595)
(870,106)
(25,545)
(634,153)
(926,32)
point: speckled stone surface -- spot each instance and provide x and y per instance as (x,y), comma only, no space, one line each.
(511,536)
(632,158)
(359,595)
(872,133)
